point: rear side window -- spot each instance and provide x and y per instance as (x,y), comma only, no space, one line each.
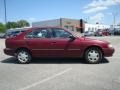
(38,33)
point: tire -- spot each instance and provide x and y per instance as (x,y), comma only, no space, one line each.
(93,55)
(24,56)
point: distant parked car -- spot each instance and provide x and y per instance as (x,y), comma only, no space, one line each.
(2,35)
(116,31)
(111,31)
(56,42)
(105,32)
(98,32)
(89,33)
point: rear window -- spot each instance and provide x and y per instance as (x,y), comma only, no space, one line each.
(13,33)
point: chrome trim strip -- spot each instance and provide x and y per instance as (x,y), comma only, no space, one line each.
(73,49)
(54,49)
(47,49)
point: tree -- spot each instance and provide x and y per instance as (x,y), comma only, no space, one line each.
(11,25)
(2,27)
(22,23)
(18,24)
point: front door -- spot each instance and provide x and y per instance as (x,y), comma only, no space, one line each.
(62,45)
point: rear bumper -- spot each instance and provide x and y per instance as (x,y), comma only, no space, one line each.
(108,52)
(9,51)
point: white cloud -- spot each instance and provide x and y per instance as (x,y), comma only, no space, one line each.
(97,5)
(97,18)
(94,9)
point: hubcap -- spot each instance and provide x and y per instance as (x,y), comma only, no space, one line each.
(93,55)
(23,56)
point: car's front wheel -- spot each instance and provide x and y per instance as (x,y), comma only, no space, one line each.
(93,55)
(23,56)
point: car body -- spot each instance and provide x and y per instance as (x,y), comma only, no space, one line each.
(56,42)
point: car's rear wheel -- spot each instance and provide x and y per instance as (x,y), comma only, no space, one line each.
(93,55)
(23,56)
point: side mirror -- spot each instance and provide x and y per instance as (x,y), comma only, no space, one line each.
(72,38)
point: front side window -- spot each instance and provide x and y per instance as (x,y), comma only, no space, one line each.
(60,33)
(39,33)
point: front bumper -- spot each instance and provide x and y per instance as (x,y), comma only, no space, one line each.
(108,51)
(9,51)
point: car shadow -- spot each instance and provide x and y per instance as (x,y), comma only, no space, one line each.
(12,60)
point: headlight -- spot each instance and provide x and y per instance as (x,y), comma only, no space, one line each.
(110,46)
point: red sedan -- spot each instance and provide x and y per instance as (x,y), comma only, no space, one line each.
(56,42)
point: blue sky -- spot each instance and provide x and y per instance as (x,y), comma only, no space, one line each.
(37,10)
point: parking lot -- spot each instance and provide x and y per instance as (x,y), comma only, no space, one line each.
(61,74)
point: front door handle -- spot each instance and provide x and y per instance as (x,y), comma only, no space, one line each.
(53,43)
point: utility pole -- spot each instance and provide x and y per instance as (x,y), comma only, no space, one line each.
(5,11)
(114,20)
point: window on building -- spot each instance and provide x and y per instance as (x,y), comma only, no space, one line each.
(92,29)
(70,27)
(89,29)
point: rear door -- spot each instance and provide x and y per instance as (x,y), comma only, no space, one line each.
(39,42)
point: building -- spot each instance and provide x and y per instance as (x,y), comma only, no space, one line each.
(94,27)
(71,24)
